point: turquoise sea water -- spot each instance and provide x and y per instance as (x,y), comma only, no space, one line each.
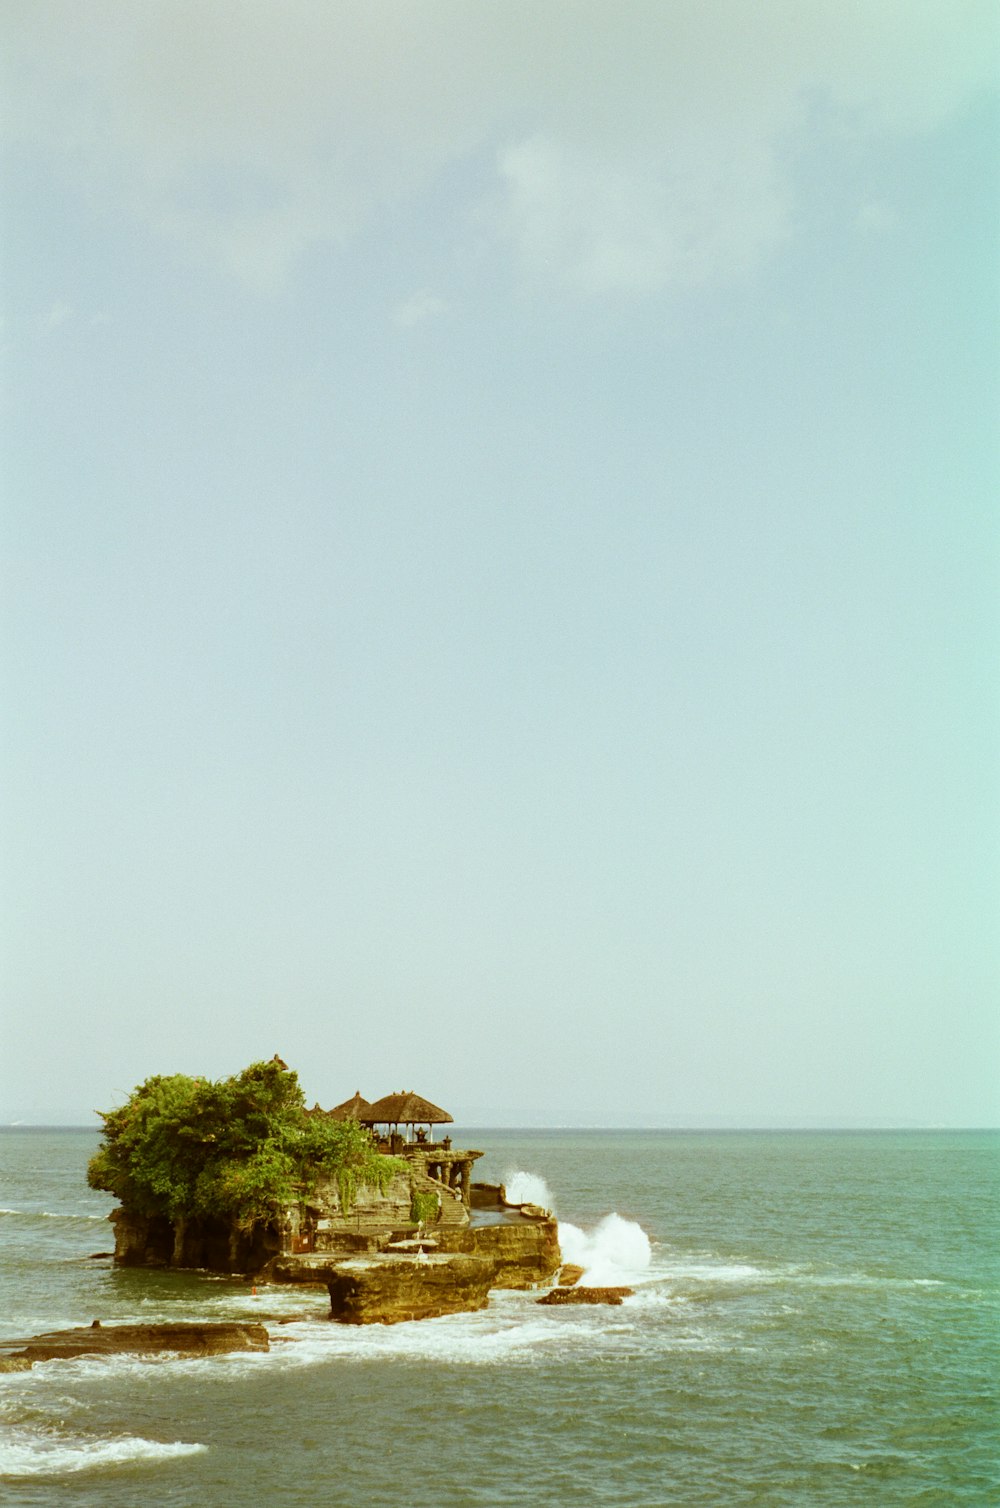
(816,1321)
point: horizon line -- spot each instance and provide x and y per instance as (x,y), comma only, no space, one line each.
(738,1126)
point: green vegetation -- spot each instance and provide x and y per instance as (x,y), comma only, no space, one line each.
(241,1148)
(376,1173)
(423,1207)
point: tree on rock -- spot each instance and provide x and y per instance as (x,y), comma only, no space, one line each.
(241,1148)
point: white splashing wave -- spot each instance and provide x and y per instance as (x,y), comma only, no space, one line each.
(616,1253)
(28,1453)
(528,1188)
(716,1270)
(511,1331)
(52,1214)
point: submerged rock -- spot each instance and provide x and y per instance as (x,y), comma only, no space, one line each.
(569,1275)
(586,1296)
(113,1340)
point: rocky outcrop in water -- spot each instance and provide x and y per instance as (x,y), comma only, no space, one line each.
(586,1296)
(113,1340)
(383,1259)
(569,1275)
(525,1253)
(385,1289)
(450,1271)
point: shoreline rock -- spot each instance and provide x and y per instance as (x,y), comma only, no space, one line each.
(569,1275)
(213,1339)
(454,1275)
(586,1296)
(386,1290)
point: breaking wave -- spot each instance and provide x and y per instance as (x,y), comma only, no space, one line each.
(528,1188)
(617,1252)
(28,1453)
(53,1214)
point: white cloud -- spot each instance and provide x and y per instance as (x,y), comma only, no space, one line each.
(419,308)
(633,148)
(602,225)
(57,315)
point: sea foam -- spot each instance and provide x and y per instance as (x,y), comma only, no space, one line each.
(615,1253)
(28,1453)
(528,1188)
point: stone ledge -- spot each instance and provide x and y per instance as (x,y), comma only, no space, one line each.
(113,1340)
(386,1290)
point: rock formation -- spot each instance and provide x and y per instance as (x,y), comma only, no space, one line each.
(569,1275)
(111,1340)
(386,1289)
(426,1242)
(449,1272)
(585,1296)
(525,1252)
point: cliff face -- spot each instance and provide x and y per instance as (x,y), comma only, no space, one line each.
(383,1290)
(524,1253)
(212,1245)
(321,1224)
(216,1245)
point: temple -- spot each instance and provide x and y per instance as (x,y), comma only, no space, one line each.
(434,1192)
(426,1241)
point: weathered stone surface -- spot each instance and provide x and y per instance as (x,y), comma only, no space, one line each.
(141,1241)
(585,1296)
(487,1196)
(316,1223)
(110,1340)
(210,1244)
(384,1289)
(372,1213)
(569,1274)
(525,1252)
(521,1253)
(315,1242)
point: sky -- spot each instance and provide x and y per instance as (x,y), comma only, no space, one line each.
(501,577)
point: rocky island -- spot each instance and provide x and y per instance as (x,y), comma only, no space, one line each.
(239,1177)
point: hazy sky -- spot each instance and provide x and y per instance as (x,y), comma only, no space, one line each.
(501,575)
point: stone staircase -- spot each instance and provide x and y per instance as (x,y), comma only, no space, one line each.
(452,1210)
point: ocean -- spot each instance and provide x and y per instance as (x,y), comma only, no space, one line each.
(815,1322)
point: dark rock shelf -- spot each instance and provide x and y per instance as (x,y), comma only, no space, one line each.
(586,1296)
(114,1340)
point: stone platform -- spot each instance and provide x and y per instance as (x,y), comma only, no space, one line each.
(453,1276)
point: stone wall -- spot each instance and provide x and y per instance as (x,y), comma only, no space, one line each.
(372,1213)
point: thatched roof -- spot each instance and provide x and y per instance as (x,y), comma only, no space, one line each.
(407,1109)
(354,1109)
